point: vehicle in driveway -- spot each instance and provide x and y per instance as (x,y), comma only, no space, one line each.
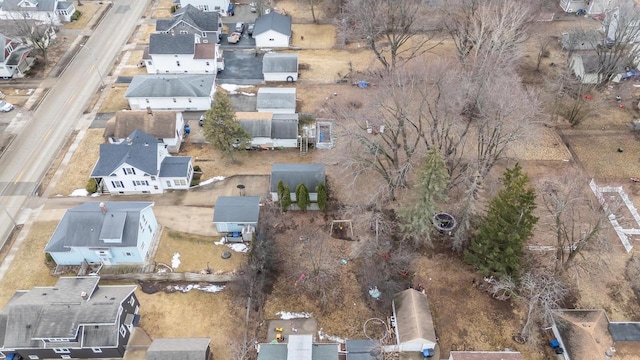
(234,38)
(240,27)
(250,29)
(5,106)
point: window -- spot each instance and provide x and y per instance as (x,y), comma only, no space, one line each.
(272,39)
(153,178)
(140,183)
(168,183)
(117,184)
(96,350)
(146,100)
(177,63)
(204,34)
(184,32)
(208,64)
(128,254)
(189,100)
(174,100)
(179,182)
(129,171)
(132,301)
(61,350)
(123,331)
(150,230)
(33,357)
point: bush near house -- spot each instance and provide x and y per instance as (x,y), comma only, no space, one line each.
(76,15)
(92,186)
(174,8)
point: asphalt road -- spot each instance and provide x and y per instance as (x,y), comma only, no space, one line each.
(45,130)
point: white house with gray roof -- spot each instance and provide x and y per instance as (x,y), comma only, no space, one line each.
(219,6)
(49,11)
(280,67)
(140,165)
(179,349)
(236,214)
(293,175)
(109,233)
(270,130)
(182,54)
(171,92)
(276,100)
(272,30)
(190,20)
(14,59)
(73,319)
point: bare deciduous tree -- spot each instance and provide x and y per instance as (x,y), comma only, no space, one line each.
(318,276)
(38,34)
(543,293)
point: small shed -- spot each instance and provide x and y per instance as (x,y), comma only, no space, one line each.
(298,347)
(272,30)
(363,349)
(581,40)
(236,214)
(276,100)
(586,68)
(293,175)
(280,67)
(270,130)
(413,322)
(179,349)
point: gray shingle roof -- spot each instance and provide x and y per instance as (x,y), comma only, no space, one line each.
(294,174)
(273,21)
(203,21)
(236,209)
(41,5)
(284,126)
(59,311)
(362,349)
(137,151)
(175,166)
(257,124)
(178,349)
(164,43)
(625,331)
(279,63)
(83,225)
(171,86)
(276,98)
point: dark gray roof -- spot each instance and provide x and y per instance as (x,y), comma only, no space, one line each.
(276,98)
(198,19)
(175,166)
(591,63)
(294,174)
(83,225)
(255,123)
(363,349)
(59,311)
(280,63)
(178,349)
(273,21)
(319,351)
(17,54)
(137,150)
(625,331)
(284,126)
(164,43)
(171,86)
(236,209)
(273,352)
(41,5)
(63,5)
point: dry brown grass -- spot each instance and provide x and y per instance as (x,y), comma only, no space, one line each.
(146,30)
(163,11)
(197,252)
(134,57)
(546,145)
(115,100)
(312,36)
(132,71)
(28,268)
(325,66)
(88,10)
(76,174)
(299,12)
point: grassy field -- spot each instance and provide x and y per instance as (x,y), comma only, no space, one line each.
(76,174)
(163,10)
(115,100)
(312,36)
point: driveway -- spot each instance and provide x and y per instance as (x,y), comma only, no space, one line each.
(241,67)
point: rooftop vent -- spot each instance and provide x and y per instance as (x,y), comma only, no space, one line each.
(84,295)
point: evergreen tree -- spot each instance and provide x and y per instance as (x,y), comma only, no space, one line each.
(221,129)
(285,202)
(499,246)
(302,197)
(321,190)
(280,190)
(432,180)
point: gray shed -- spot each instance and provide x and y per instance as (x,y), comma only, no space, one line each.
(280,67)
(179,349)
(235,213)
(294,174)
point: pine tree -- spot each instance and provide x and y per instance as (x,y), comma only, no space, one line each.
(285,202)
(280,190)
(302,197)
(221,129)
(432,180)
(321,190)
(499,246)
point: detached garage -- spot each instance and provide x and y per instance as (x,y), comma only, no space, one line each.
(272,31)
(235,215)
(413,323)
(280,67)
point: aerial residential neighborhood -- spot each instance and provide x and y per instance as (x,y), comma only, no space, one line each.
(326,179)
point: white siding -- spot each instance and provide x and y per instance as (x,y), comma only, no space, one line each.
(181,64)
(272,39)
(181,104)
(280,76)
(208,5)
(268,142)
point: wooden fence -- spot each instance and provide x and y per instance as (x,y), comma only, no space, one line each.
(170,276)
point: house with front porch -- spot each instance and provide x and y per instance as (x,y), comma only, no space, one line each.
(15,60)
(181,54)
(272,30)
(109,233)
(171,92)
(140,165)
(190,20)
(166,126)
(48,11)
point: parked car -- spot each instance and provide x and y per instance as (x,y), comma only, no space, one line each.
(234,37)
(250,29)
(5,106)
(240,27)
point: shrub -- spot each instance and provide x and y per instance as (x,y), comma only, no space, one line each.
(47,258)
(92,186)
(174,8)
(285,202)
(321,189)
(302,197)
(197,168)
(280,190)
(76,15)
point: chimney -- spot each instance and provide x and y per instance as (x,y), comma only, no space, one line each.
(103,208)
(149,111)
(84,295)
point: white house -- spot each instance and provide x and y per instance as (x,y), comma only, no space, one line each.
(276,100)
(412,324)
(189,20)
(166,126)
(280,67)
(171,92)
(592,7)
(270,130)
(109,233)
(14,60)
(293,175)
(219,6)
(140,165)
(49,11)
(182,54)
(272,30)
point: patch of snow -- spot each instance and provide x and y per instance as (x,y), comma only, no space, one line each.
(208,288)
(232,88)
(221,242)
(175,261)
(212,180)
(95,194)
(238,247)
(286,315)
(323,336)
(79,192)
(247,94)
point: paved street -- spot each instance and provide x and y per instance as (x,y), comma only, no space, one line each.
(41,133)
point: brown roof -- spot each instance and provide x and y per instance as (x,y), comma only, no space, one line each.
(160,124)
(485,355)
(205,51)
(584,333)
(413,316)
